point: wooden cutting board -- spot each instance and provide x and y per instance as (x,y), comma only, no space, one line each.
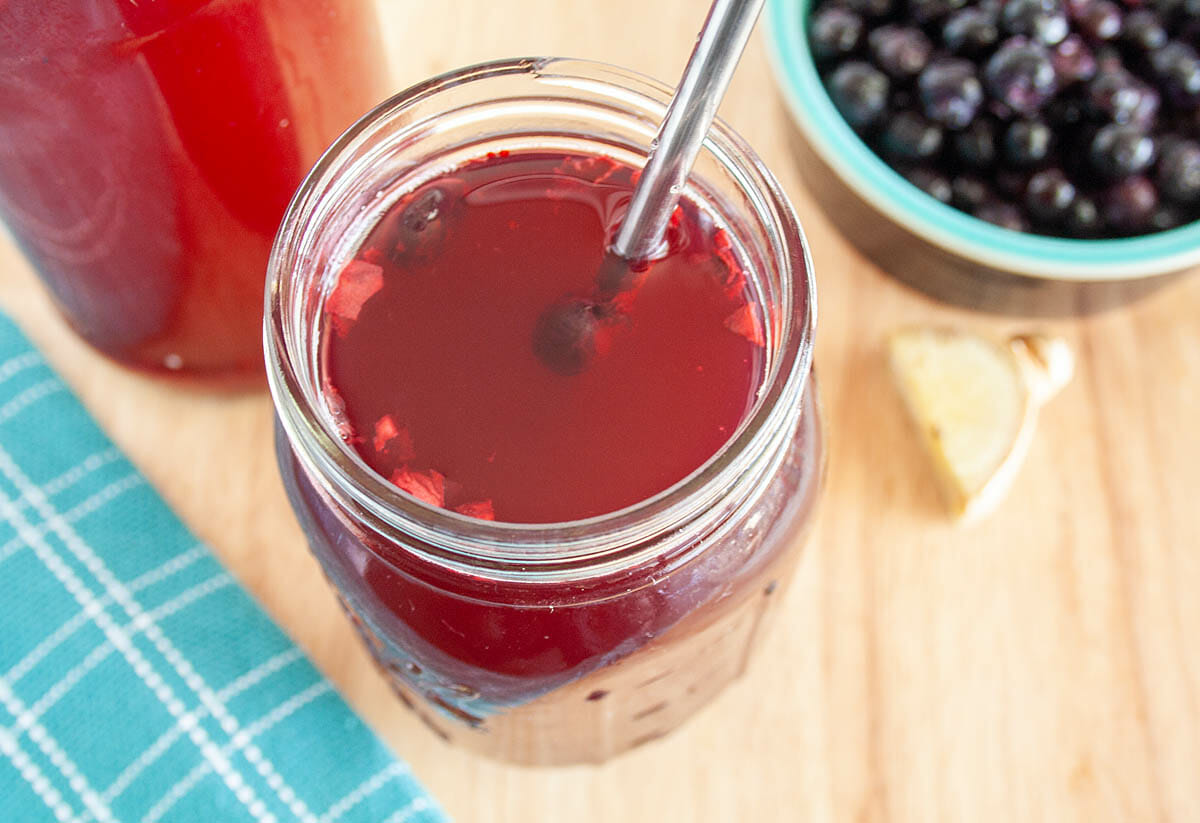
(1043,665)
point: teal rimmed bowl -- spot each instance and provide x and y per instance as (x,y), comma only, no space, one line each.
(955,256)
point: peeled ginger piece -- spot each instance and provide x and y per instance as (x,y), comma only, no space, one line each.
(974,403)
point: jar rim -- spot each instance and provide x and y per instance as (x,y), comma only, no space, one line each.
(601,539)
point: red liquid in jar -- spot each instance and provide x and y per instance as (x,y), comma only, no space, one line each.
(148,150)
(428,349)
(431,328)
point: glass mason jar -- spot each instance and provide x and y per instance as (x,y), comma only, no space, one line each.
(148,151)
(561,642)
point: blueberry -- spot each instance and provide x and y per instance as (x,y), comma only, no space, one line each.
(1083,218)
(1178,67)
(969,193)
(419,229)
(909,136)
(1073,61)
(834,32)
(975,146)
(1101,20)
(1027,143)
(1118,151)
(860,93)
(933,183)
(565,336)
(1118,96)
(950,92)
(926,11)
(1179,172)
(1049,196)
(1021,75)
(1011,183)
(870,8)
(1129,204)
(1144,31)
(1165,217)
(901,51)
(1003,214)
(1041,20)
(971,31)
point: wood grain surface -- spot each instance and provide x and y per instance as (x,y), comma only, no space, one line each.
(1043,665)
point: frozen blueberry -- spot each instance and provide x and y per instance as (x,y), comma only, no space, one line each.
(870,8)
(1166,216)
(1129,204)
(1144,31)
(1178,67)
(969,193)
(975,146)
(1073,60)
(1003,214)
(1121,150)
(950,92)
(1101,20)
(1027,143)
(926,11)
(1041,20)
(901,51)
(860,93)
(1083,218)
(1179,172)
(909,136)
(933,183)
(834,32)
(971,31)
(1118,96)
(1021,75)
(1049,196)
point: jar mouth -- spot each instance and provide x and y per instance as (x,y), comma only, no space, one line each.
(293,372)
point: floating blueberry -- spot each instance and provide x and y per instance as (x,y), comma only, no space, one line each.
(419,229)
(1121,150)
(1027,143)
(910,136)
(860,93)
(565,336)
(901,51)
(1179,172)
(1073,61)
(1041,20)
(1021,75)
(834,32)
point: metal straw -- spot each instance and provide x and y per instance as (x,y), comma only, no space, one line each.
(673,151)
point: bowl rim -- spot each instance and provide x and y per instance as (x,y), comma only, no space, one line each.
(957,232)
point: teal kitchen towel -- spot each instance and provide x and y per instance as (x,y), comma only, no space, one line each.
(138,681)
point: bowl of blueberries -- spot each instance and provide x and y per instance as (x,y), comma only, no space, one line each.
(1044,155)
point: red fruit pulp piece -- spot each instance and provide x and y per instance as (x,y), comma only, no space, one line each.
(357,283)
(481,509)
(744,321)
(396,440)
(428,486)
